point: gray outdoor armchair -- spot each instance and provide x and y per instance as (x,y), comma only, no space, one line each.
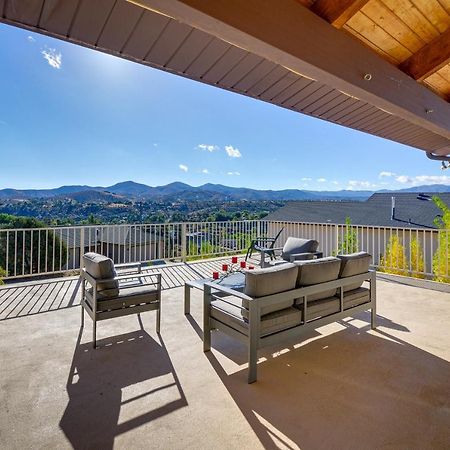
(105,294)
(294,249)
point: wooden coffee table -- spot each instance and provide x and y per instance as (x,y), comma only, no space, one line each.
(234,281)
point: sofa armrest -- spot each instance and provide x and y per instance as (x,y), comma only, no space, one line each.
(130,266)
(229,291)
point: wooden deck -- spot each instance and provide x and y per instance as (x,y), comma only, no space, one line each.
(35,297)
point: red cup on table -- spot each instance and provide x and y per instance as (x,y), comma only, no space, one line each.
(215,275)
(234,259)
(224,267)
(243,264)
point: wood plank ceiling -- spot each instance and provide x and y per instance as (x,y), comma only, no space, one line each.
(397,29)
(411,34)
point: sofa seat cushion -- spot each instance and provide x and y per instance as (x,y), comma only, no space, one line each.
(101,267)
(319,308)
(356,297)
(270,323)
(354,264)
(270,280)
(316,271)
(295,245)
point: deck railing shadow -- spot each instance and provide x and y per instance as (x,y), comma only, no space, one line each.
(355,388)
(128,382)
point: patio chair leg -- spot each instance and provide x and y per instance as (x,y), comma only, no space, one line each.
(373,318)
(158,319)
(94,334)
(252,363)
(82,316)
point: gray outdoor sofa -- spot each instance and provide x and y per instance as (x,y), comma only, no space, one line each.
(287,300)
(106,294)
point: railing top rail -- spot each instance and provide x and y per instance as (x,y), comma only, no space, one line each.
(155,224)
(334,224)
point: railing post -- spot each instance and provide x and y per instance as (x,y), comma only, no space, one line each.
(183,242)
(81,248)
(337,238)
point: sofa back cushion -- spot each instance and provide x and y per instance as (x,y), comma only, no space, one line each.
(316,271)
(101,268)
(354,264)
(270,280)
(295,245)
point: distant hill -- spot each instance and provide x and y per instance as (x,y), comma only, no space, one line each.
(93,196)
(184,192)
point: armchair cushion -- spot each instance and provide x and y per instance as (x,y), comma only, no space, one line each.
(270,280)
(354,264)
(356,297)
(101,267)
(295,245)
(316,271)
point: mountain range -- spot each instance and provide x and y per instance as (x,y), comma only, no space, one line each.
(177,191)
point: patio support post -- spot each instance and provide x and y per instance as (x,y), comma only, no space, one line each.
(253,339)
(206,321)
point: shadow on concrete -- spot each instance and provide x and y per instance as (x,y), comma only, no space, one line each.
(126,383)
(354,388)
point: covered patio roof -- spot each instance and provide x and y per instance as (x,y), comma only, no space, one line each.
(377,66)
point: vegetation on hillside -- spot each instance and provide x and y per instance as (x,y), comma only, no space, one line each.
(24,251)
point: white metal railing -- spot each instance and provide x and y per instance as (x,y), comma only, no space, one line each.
(29,252)
(413,254)
(41,251)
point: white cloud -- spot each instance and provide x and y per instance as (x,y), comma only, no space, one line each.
(208,147)
(360,184)
(155,144)
(404,179)
(53,58)
(423,179)
(233,173)
(205,171)
(386,174)
(321,180)
(183,167)
(31,39)
(306,179)
(232,152)
(335,182)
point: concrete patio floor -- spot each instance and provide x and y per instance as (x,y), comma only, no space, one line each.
(343,387)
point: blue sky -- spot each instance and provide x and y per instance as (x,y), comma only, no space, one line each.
(70,115)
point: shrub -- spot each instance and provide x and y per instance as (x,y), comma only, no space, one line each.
(417,259)
(348,243)
(2,274)
(394,261)
(441,259)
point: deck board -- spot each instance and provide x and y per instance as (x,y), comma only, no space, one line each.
(35,297)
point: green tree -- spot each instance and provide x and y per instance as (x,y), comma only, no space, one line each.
(24,251)
(394,261)
(348,243)
(441,259)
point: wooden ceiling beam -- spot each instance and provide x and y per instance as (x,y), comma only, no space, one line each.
(337,12)
(296,38)
(429,59)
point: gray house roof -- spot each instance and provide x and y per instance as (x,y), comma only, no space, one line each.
(410,211)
